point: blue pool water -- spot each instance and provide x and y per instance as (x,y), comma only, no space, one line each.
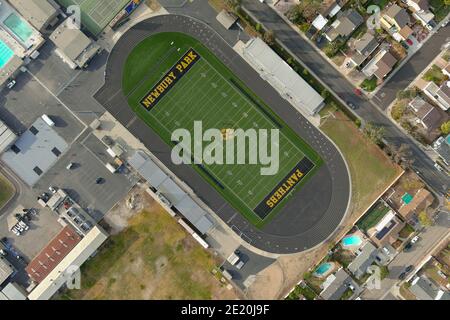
(323,268)
(351,241)
(19,27)
(5,54)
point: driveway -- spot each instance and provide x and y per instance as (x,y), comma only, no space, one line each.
(370,111)
(428,239)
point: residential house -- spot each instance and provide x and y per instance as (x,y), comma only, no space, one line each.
(320,22)
(364,47)
(427,115)
(424,289)
(440,95)
(385,65)
(344,25)
(421,11)
(331,8)
(386,231)
(395,20)
(442,147)
(419,202)
(336,284)
(365,258)
(446,70)
(418,5)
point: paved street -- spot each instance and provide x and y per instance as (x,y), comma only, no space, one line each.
(367,110)
(410,70)
(428,239)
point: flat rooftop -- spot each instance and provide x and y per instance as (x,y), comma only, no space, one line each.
(35,152)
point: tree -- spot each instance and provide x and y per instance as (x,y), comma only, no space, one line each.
(445,127)
(233,4)
(295,16)
(374,133)
(424,219)
(269,37)
(325,94)
(398,110)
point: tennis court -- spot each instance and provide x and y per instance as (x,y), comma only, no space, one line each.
(96,14)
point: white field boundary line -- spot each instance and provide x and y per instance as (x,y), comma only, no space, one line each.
(61,103)
(253,107)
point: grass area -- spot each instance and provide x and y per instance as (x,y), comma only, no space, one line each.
(371,170)
(381,3)
(6,191)
(347,294)
(406,231)
(372,217)
(369,84)
(440,9)
(211,93)
(343,257)
(300,291)
(435,74)
(96,14)
(431,271)
(404,291)
(154,258)
(384,272)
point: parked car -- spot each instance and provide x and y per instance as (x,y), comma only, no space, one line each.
(52,189)
(409,268)
(351,105)
(415,239)
(408,246)
(402,276)
(11,84)
(240,264)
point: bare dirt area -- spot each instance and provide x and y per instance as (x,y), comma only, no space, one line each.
(150,256)
(366,163)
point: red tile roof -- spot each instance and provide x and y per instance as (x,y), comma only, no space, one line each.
(53,254)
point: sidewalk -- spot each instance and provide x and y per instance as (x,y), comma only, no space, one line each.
(369,95)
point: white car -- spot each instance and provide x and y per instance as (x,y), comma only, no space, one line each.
(52,190)
(415,239)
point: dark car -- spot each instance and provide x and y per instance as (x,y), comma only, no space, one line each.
(408,247)
(402,276)
(351,105)
(409,268)
(100,181)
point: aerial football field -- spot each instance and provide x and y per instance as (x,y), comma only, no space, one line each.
(172,80)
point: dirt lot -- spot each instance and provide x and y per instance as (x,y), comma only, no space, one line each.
(367,164)
(151,258)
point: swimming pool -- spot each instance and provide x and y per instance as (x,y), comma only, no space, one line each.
(5,54)
(351,241)
(19,27)
(323,268)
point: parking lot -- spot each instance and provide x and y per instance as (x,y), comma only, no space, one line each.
(29,100)
(253,264)
(80,181)
(50,87)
